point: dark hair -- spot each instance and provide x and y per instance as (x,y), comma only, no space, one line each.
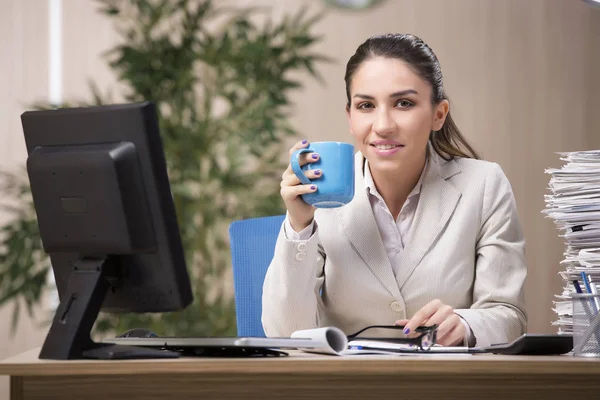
(448,142)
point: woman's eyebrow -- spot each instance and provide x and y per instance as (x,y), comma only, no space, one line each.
(404,93)
(395,94)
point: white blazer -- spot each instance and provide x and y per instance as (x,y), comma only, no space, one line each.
(465,247)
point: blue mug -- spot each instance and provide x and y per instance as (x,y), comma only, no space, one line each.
(335,187)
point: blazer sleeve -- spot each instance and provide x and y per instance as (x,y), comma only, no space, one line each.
(291,290)
(498,311)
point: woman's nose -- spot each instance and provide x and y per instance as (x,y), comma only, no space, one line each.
(384,123)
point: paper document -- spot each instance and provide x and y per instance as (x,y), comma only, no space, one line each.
(331,340)
(327,340)
(358,345)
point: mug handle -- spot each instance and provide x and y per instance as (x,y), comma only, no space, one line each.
(296,166)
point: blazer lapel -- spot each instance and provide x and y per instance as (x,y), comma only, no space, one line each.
(359,224)
(437,202)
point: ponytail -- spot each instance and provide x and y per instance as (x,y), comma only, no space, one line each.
(448,142)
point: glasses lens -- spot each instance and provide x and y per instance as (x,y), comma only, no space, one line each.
(427,340)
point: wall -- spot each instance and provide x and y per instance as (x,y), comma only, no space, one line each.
(522,76)
(23,79)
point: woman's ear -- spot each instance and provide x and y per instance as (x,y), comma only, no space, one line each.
(441,111)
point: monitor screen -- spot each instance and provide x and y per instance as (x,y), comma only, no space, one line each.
(106,218)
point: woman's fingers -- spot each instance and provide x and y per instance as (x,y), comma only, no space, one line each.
(422,316)
(441,314)
(447,326)
(451,332)
(290,179)
(292,192)
(450,329)
(306,157)
(299,145)
(300,214)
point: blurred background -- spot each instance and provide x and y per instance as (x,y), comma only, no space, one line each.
(523,77)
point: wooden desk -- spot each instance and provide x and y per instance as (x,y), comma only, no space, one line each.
(302,376)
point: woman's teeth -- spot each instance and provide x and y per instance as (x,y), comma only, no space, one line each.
(386,146)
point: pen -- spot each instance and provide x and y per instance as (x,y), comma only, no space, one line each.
(594,290)
(588,288)
(586,283)
(577,287)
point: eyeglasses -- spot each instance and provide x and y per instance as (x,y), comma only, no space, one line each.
(426,339)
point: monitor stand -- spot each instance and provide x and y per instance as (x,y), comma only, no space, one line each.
(69,336)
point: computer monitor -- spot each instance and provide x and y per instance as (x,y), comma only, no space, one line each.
(106,218)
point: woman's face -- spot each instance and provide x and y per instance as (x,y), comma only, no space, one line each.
(391,115)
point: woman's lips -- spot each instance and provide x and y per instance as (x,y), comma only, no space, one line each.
(386,149)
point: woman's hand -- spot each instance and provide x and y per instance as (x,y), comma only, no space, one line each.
(300,214)
(450,332)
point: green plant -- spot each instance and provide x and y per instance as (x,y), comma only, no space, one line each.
(221,83)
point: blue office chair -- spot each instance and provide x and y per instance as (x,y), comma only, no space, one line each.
(252,246)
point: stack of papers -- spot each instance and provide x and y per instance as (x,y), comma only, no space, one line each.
(574,205)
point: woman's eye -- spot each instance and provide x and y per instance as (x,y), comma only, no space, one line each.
(364,106)
(404,103)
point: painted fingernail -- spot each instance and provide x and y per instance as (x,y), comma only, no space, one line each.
(304,141)
(317,172)
(406,331)
(313,187)
(315,156)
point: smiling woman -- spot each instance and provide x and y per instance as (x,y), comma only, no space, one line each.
(431,236)
(397,93)
(416,65)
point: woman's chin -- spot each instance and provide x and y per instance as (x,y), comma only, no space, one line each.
(385,166)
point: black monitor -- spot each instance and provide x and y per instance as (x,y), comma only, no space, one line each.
(106,218)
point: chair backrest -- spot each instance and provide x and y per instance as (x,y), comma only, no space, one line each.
(252,246)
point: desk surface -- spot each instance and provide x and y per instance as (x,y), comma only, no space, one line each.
(303,375)
(28,364)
